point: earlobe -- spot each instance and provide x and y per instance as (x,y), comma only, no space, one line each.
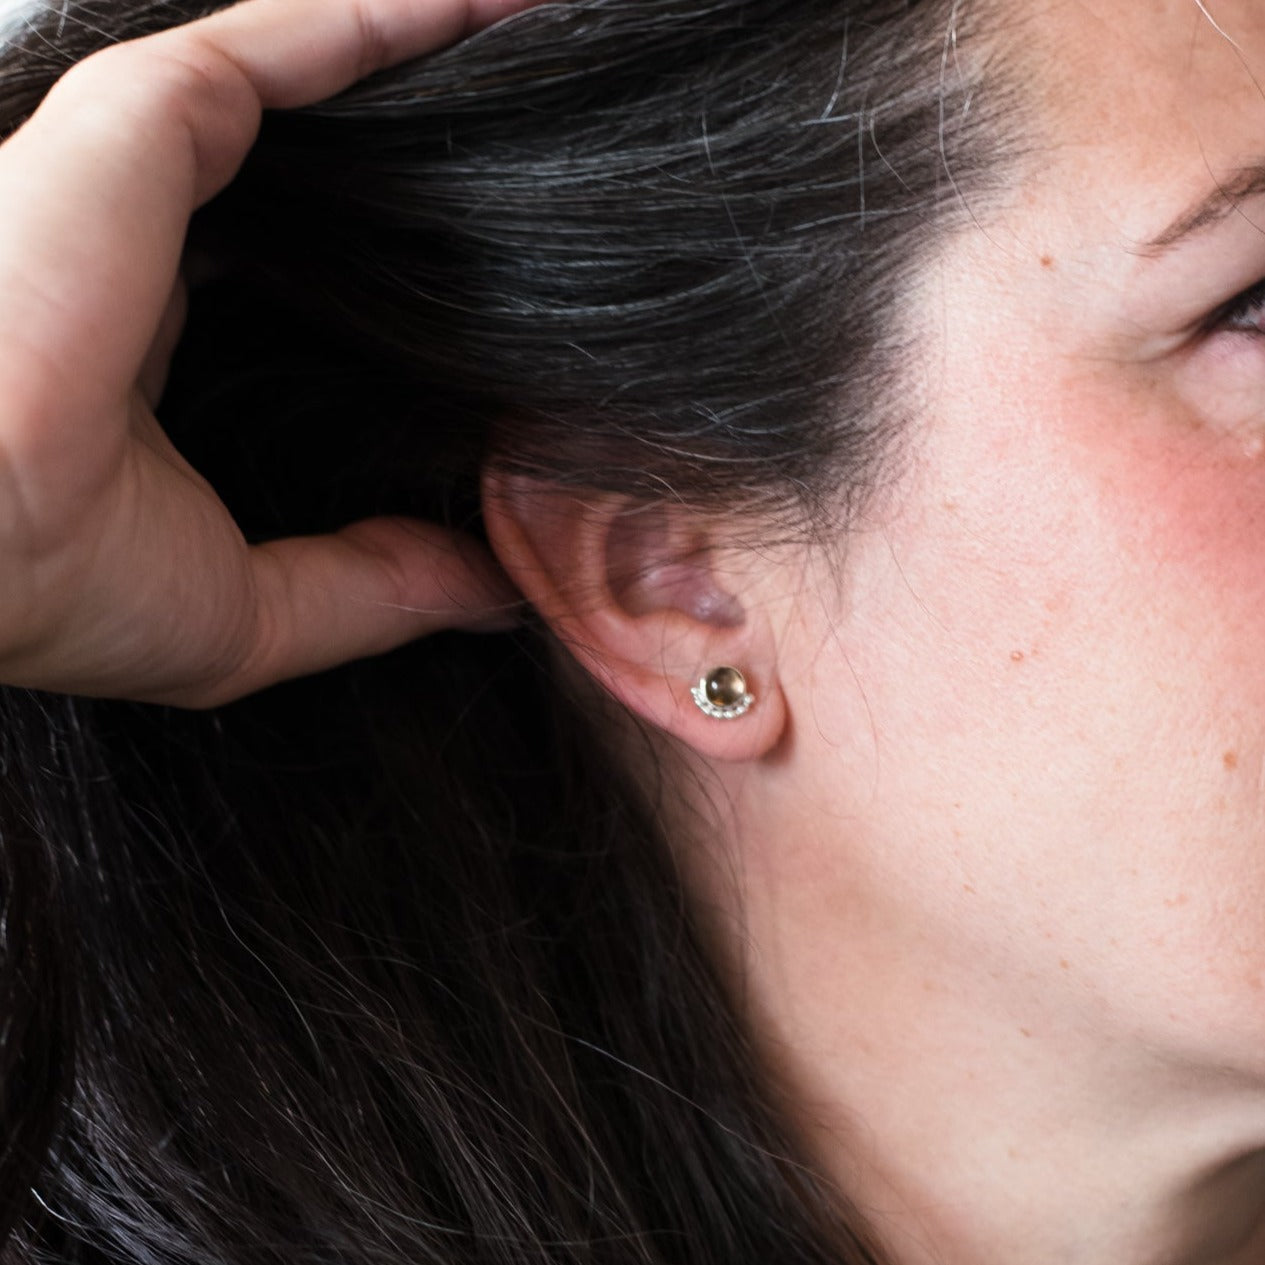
(637,596)
(750,726)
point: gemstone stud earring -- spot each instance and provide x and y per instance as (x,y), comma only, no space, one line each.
(722,694)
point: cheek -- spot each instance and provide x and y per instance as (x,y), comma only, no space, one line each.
(1058,644)
(1180,499)
(1037,717)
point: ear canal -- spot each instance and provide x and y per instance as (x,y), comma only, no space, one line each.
(689,587)
(653,565)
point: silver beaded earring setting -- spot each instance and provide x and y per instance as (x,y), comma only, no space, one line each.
(722,694)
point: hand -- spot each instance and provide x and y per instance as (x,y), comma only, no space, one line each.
(121,572)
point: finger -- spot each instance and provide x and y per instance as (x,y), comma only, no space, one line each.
(98,186)
(295,52)
(153,374)
(326,600)
(485,12)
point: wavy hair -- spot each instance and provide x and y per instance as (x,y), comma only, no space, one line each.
(392,964)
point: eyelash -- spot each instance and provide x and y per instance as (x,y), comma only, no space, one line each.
(1244,314)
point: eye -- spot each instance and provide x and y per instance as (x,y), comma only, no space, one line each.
(1244,314)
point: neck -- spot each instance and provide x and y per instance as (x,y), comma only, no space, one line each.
(974,1119)
(964,1147)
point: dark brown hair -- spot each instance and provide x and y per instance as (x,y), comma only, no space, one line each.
(391,965)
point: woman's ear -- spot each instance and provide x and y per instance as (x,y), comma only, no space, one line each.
(639,596)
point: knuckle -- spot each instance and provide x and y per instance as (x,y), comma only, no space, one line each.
(175,78)
(176,92)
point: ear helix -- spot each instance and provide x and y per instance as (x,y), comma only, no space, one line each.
(722,694)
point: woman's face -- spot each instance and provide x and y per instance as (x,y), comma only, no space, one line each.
(1028,754)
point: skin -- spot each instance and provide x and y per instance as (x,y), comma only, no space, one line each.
(996,900)
(989,876)
(989,881)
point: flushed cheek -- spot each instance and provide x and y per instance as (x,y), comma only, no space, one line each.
(1069,656)
(1180,503)
(1075,571)
(1182,499)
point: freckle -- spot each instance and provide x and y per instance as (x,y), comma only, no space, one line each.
(1230,760)
(1065,964)
(968,889)
(1025,1032)
(1047,261)
(1017,656)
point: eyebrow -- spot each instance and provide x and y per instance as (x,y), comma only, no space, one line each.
(1217,206)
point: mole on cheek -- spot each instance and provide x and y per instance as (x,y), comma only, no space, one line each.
(1230,760)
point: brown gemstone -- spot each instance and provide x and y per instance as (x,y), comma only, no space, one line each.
(725,687)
